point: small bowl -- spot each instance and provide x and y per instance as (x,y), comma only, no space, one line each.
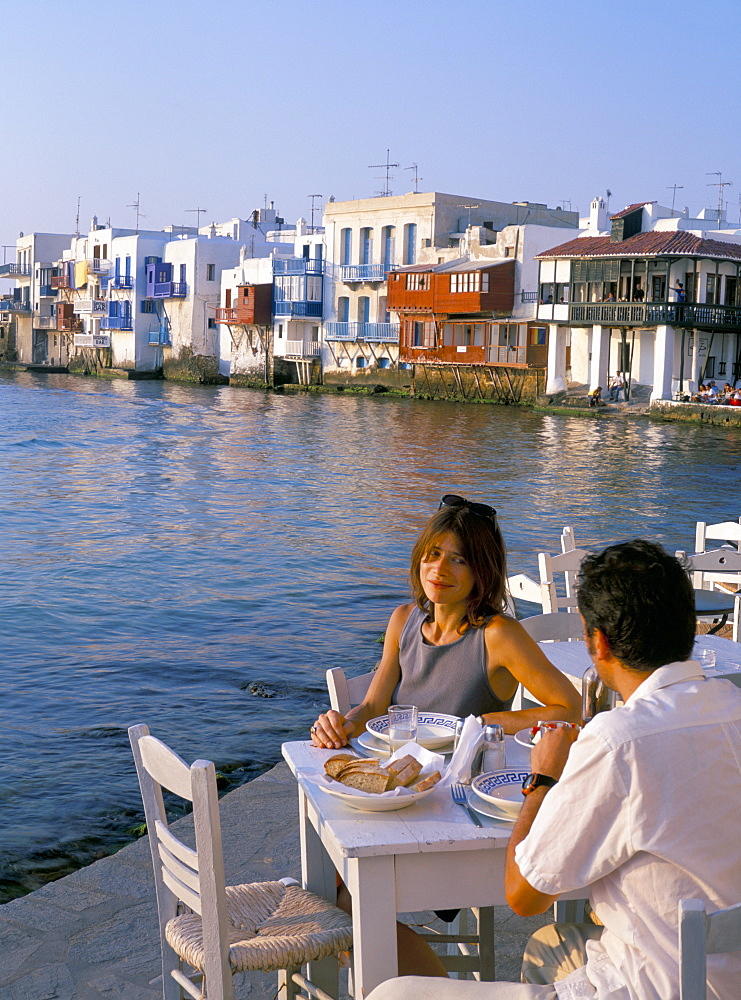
(502,789)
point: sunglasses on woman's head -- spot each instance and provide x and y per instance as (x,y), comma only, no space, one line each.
(482,509)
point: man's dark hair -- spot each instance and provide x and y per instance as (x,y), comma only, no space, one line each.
(642,600)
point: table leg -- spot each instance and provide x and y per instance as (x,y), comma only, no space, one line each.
(371,884)
(317,875)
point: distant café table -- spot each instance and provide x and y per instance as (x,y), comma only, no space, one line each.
(714,604)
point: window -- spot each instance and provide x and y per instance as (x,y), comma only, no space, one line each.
(410,243)
(315,334)
(366,246)
(313,288)
(467,282)
(280,330)
(211,323)
(363,309)
(360,362)
(128,266)
(210,272)
(384,362)
(417,282)
(710,289)
(418,334)
(537,336)
(182,274)
(388,235)
(346,246)
(546,292)
(343,309)
(148,306)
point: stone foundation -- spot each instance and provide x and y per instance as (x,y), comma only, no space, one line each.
(696,413)
(189,367)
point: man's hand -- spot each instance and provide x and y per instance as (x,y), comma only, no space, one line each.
(550,754)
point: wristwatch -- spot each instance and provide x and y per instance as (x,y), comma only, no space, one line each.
(533,781)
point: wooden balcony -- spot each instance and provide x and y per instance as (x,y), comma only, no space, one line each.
(253,307)
(684,314)
(61,281)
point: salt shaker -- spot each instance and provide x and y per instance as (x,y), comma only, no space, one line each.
(493,754)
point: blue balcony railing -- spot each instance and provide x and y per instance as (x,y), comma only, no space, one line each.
(297,265)
(116,323)
(365,272)
(10,305)
(380,332)
(169,290)
(122,281)
(47,290)
(303,308)
(159,337)
(14,270)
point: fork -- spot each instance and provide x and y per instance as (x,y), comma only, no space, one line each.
(459,797)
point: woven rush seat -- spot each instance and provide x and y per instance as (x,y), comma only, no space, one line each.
(272,926)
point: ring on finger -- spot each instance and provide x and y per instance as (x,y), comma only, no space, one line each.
(313,729)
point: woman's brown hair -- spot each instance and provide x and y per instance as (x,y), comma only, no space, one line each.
(482,546)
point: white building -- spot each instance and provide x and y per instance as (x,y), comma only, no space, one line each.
(657,297)
(369,238)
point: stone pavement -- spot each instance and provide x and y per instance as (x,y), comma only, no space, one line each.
(93,935)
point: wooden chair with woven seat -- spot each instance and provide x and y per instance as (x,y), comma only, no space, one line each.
(220,930)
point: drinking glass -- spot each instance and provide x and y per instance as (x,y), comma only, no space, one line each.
(402,725)
(706,659)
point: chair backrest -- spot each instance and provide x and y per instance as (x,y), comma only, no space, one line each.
(550,567)
(702,934)
(568,541)
(347,692)
(725,531)
(554,626)
(716,566)
(182,874)
(524,587)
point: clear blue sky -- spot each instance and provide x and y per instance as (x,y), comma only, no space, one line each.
(218,104)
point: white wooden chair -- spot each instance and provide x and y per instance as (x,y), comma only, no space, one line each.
(553,627)
(213,929)
(472,952)
(522,586)
(725,531)
(568,542)
(550,567)
(702,934)
(716,577)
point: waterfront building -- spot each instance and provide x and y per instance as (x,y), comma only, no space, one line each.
(272,306)
(27,312)
(467,322)
(650,292)
(368,240)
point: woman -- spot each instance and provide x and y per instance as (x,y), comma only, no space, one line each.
(455,650)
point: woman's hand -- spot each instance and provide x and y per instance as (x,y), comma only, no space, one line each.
(332,730)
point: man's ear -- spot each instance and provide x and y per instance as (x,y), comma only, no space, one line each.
(601,646)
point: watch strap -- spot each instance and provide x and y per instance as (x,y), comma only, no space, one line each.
(533,781)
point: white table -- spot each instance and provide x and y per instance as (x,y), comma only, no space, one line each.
(427,856)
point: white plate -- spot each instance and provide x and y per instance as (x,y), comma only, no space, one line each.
(380,748)
(487,809)
(501,788)
(385,802)
(524,738)
(434,729)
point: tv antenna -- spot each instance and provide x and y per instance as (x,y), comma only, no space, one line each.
(77,217)
(720,184)
(313,196)
(674,188)
(136,205)
(567,201)
(388,167)
(469,206)
(199,212)
(417,179)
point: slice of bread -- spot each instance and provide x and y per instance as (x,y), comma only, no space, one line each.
(398,765)
(367,781)
(428,782)
(406,775)
(333,765)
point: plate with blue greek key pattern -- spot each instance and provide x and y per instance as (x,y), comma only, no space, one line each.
(501,788)
(434,729)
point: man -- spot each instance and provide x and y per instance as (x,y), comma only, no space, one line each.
(616,387)
(643,808)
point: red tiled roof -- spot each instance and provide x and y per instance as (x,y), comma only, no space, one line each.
(675,243)
(631,208)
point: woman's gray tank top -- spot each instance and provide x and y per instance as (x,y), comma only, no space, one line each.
(451,679)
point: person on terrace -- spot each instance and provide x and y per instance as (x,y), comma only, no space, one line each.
(642,807)
(454,649)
